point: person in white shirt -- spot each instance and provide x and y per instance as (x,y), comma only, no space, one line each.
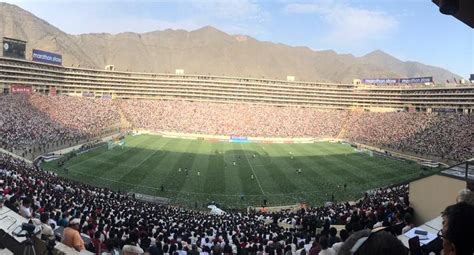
(301,250)
(325,250)
(343,234)
(25,209)
(408,223)
(132,248)
(46,230)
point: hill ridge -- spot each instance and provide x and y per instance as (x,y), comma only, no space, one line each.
(206,50)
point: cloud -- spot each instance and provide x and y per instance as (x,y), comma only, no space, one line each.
(347,23)
(233,16)
(87,16)
(229,9)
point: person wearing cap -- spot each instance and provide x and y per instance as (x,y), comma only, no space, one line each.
(72,237)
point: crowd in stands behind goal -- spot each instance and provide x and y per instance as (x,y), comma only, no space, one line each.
(32,121)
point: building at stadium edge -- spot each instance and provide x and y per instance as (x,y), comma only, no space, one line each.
(56,79)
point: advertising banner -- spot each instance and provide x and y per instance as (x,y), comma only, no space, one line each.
(88,94)
(380,81)
(417,80)
(397,80)
(444,110)
(238,138)
(52,91)
(47,57)
(472,77)
(20,89)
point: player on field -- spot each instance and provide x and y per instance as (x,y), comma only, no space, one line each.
(251,176)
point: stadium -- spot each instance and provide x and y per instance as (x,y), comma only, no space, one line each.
(201,163)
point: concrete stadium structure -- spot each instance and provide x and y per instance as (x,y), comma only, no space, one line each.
(45,78)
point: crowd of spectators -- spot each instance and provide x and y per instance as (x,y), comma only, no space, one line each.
(446,136)
(35,120)
(38,120)
(116,221)
(232,119)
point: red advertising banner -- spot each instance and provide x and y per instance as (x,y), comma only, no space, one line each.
(20,89)
(52,91)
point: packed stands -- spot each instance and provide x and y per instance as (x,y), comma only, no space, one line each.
(112,220)
(39,122)
(232,119)
(447,136)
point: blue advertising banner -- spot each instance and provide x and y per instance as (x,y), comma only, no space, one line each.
(396,80)
(47,57)
(88,94)
(380,81)
(472,77)
(416,80)
(239,138)
(444,110)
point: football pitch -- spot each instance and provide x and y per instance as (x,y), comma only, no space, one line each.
(196,172)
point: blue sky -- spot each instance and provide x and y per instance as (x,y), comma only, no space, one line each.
(407,29)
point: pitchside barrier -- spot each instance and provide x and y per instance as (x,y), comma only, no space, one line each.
(237,139)
(419,160)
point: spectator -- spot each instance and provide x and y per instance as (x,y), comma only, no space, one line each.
(132,247)
(333,237)
(458,229)
(375,242)
(315,248)
(25,209)
(46,230)
(72,237)
(344,235)
(325,249)
(465,195)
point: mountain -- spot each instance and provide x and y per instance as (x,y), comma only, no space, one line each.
(204,51)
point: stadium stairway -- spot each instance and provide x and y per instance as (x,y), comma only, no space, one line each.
(124,123)
(343,131)
(15,156)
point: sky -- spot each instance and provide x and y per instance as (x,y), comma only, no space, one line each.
(411,30)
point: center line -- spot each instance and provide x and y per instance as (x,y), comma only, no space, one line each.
(253,171)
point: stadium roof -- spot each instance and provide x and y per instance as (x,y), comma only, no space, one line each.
(465,13)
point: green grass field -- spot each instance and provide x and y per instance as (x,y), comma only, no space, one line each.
(146,162)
